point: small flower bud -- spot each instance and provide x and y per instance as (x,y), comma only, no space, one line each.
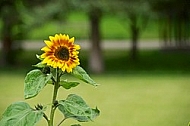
(39,107)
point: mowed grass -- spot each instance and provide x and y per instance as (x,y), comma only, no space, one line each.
(152,91)
(124,99)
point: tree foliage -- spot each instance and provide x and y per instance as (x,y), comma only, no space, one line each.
(19,16)
(137,13)
(174,18)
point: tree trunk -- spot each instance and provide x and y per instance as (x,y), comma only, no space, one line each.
(10,20)
(134,39)
(7,57)
(96,64)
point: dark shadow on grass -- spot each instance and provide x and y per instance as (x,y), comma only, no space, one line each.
(118,61)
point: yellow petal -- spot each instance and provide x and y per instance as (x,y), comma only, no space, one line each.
(77,63)
(60,64)
(77,60)
(55,64)
(50,62)
(77,47)
(57,38)
(68,70)
(60,35)
(51,38)
(64,36)
(45,49)
(63,68)
(72,40)
(48,43)
(75,52)
(67,37)
(45,60)
(43,55)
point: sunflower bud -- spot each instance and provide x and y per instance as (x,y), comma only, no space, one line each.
(39,107)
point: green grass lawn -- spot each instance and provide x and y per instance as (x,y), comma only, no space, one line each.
(124,99)
(153,91)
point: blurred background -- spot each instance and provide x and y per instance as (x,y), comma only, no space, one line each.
(138,51)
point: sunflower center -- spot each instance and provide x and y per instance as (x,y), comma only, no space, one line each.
(62,53)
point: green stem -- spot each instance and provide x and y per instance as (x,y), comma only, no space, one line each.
(61,121)
(46,118)
(56,87)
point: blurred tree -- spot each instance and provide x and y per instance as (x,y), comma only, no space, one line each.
(94,10)
(11,29)
(57,10)
(42,11)
(174,18)
(137,13)
(19,16)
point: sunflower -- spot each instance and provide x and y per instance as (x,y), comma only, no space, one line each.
(61,52)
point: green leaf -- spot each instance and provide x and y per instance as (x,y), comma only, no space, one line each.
(81,74)
(20,114)
(38,57)
(35,81)
(75,107)
(68,85)
(39,65)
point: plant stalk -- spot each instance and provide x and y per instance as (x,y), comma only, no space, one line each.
(55,91)
(61,121)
